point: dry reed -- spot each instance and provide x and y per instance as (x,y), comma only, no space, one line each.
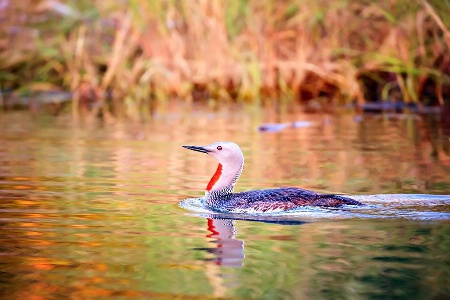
(140,52)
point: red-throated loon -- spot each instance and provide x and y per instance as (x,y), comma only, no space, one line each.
(219,195)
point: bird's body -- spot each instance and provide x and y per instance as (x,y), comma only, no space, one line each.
(220,196)
(274,200)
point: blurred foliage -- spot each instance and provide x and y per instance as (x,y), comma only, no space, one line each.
(137,53)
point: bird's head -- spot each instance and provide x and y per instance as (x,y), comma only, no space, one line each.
(231,162)
(227,153)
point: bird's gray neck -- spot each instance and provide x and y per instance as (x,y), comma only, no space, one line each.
(220,194)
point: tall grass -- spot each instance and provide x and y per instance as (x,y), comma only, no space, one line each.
(137,53)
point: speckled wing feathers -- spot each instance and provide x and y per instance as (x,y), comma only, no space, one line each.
(282,199)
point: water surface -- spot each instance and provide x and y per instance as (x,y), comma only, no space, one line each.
(90,210)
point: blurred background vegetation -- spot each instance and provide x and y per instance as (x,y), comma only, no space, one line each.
(129,56)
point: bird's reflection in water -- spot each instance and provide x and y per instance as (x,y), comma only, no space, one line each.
(227,250)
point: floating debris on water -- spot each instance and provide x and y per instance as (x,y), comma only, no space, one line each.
(275,127)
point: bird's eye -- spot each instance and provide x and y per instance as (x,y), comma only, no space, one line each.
(219,147)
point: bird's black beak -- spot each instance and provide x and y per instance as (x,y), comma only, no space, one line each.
(197,148)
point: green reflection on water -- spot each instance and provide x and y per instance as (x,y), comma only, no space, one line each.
(91,212)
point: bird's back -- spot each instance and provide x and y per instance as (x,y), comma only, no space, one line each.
(276,200)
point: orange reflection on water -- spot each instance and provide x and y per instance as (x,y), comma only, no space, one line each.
(98,217)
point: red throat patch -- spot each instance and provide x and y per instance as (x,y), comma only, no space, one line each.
(215,178)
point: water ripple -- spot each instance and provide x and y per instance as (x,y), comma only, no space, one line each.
(381,206)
